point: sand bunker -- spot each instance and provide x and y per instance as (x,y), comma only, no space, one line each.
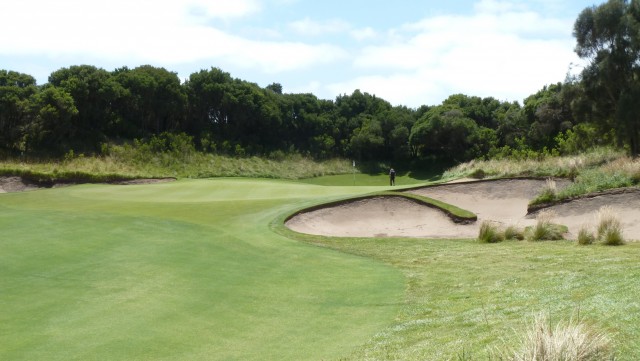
(13,184)
(502,201)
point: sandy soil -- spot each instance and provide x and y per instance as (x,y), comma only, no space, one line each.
(501,201)
(17,184)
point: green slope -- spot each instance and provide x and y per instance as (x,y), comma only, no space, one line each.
(181,271)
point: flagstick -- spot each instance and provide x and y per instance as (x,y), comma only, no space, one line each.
(354,172)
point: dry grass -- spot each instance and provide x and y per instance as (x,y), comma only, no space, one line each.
(513,233)
(609,227)
(545,230)
(568,341)
(490,233)
(548,166)
(585,236)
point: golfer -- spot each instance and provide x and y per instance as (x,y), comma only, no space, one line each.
(392,177)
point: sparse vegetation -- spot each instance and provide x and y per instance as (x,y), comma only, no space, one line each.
(170,156)
(567,341)
(513,233)
(585,236)
(549,192)
(490,233)
(544,229)
(609,227)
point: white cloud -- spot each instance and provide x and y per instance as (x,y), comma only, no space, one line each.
(223,9)
(502,51)
(311,27)
(137,31)
(364,33)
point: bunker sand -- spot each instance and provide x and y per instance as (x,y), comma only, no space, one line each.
(502,201)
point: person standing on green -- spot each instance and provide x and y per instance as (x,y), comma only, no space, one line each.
(392,177)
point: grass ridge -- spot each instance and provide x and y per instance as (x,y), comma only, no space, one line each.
(456,214)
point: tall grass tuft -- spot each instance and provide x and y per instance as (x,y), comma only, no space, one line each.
(585,236)
(549,192)
(513,232)
(567,341)
(544,229)
(609,227)
(490,233)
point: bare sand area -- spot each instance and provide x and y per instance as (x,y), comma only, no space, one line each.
(502,201)
(11,184)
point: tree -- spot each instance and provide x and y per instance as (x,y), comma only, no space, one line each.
(15,90)
(94,93)
(608,36)
(154,100)
(51,120)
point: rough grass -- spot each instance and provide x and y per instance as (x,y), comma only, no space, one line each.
(609,228)
(513,233)
(194,165)
(548,166)
(585,236)
(545,229)
(566,341)
(490,233)
(597,170)
(464,299)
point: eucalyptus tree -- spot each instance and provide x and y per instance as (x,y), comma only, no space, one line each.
(154,100)
(50,126)
(94,92)
(608,37)
(15,91)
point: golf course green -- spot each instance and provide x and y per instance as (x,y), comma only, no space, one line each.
(188,270)
(205,270)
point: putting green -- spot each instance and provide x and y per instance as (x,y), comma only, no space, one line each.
(188,270)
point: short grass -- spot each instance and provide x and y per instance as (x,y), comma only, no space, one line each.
(181,271)
(360,179)
(193,270)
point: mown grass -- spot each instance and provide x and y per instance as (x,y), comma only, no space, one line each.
(187,270)
(193,270)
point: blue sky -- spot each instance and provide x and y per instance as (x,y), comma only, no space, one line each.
(409,52)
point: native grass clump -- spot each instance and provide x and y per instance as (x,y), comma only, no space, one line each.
(608,229)
(585,236)
(540,166)
(491,232)
(545,229)
(571,340)
(170,155)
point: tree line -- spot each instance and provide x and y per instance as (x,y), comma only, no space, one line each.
(83,107)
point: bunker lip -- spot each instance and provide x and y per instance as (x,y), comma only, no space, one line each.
(503,201)
(12,184)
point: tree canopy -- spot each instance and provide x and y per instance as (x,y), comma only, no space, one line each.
(82,107)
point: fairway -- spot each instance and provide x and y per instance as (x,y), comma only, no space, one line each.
(188,270)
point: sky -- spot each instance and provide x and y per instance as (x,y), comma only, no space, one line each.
(408,52)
